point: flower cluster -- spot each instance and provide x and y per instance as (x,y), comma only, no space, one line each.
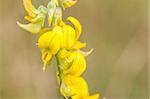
(61,40)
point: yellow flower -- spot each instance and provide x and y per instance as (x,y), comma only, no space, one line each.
(76,88)
(78,45)
(46,57)
(64,37)
(49,41)
(35,17)
(74,62)
(67,37)
(78,29)
(72,34)
(62,41)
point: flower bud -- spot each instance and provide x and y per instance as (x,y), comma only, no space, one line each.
(57,17)
(50,16)
(36,17)
(51,10)
(67,3)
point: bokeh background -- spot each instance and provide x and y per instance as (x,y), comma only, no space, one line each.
(117,69)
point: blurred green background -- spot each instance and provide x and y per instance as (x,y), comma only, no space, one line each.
(117,69)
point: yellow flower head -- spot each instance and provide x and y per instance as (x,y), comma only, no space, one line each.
(49,41)
(62,41)
(35,17)
(74,87)
(64,37)
(74,62)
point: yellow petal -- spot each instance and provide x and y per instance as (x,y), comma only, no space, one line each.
(46,57)
(29,8)
(31,27)
(86,53)
(62,23)
(78,45)
(78,86)
(64,39)
(55,44)
(68,3)
(45,39)
(96,96)
(78,65)
(64,54)
(69,36)
(58,31)
(28,18)
(33,20)
(77,26)
(44,30)
(50,40)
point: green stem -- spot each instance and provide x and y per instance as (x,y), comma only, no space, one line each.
(59,67)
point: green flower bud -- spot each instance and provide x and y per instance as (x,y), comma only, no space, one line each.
(57,16)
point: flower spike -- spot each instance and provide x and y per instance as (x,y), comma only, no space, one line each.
(59,39)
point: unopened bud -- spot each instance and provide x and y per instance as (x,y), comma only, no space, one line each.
(51,4)
(57,16)
(50,16)
(67,3)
